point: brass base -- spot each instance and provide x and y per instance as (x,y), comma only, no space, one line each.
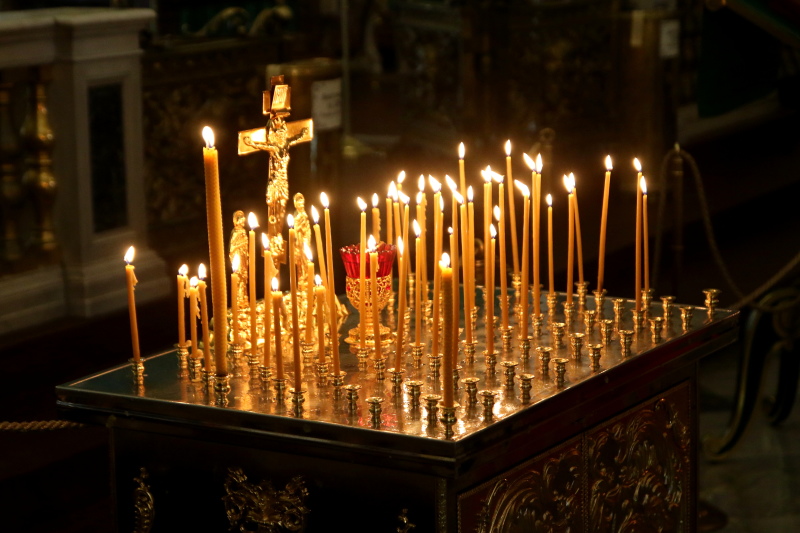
(222,387)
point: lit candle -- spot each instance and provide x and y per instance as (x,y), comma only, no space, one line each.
(490,293)
(401,309)
(454,255)
(549,200)
(638,245)
(487,213)
(570,236)
(362,275)
(130,278)
(511,210)
(376,215)
(309,293)
(389,217)
(252,221)
(417,289)
(395,209)
(295,311)
(438,222)
(216,252)
(277,304)
(470,281)
(450,324)
(405,201)
(323,271)
(373,279)
(201,289)
(331,291)
(462,178)
(536,201)
(319,298)
(182,283)
(269,273)
(645,234)
(422,199)
(235,263)
(578,239)
(465,263)
(503,281)
(193,315)
(526,202)
(603,225)
(401,177)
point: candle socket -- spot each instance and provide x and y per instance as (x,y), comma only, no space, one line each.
(712,300)
(552,299)
(626,339)
(686,317)
(473,316)
(544,359)
(599,302)
(576,343)
(222,387)
(279,385)
(606,331)
(594,356)
(561,371)
(516,284)
(235,355)
(307,349)
(558,334)
(469,352)
(488,398)
(449,420)
(183,361)
(375,411)
(416,354)
(363,356)
(569,314)
(656,327)
(435,362)
(397,381)
(667,305)
(264,374)
(254,362)
(537,321)
(338,383)
(619,310)
(490,359)
(582,289)
(207,379)
(589,317)
(194,369)
(298,397)
(525,385)
(322,374)
(414,390)
(647,299)
(380,368)
(509,371)
(638,320)
(457,377)
(506,334)
(432,405)
(525,349)
(352,398)
(137,369)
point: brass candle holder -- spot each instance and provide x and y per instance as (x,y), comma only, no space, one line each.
(380,368)
(687,314)
(488,398)
(525,385)
(525,349)
(656,327)
(375,411)
(279,384)
(457,377)
(625,340)
(432,406)
(552,300)
(544,359)
(588,321)
(235,354)
(137,369)
(351,392)
(712,300)
(254,363)
(363,356)
(638,320)
(469,352)
(417,350)
(397,380)
(594,356)
(606,331)
(449,420)
(473,316)
(506,335)
(509,371)
(222,387)
(298,398)
(490,360)
(569,314)
(322,374)
(536,323)
(264,374)
(558,334)
(647,299)
(576,343)
(561,371)
(471,385)
(582,289)
(307,349)
(183,361)
(338,383)
(207,379)
(435,363)
(619,310)
(667,305)
(599,302)
(414,388)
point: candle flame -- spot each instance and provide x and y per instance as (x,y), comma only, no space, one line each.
(252,220)
(275,284)
(235,263)
(400,245)
(317,280)
(421,183)
(451,183)
(496,212)
(445,262)
(417,229)
(392,191)
(492,231)
(375,199)
(201,271)
(404,197)
(637,165)
(450,230)
(643,185)
(459,197)
(569,184)
(523,188)
(609,166)
(508,148)
(539,163)
(549,200)
(572,181)
(208,137)
(420,196)
(314,215)
(499,178)
(193,282)
(372,245)
(401,176)
(265,241)
(183,270)
(470,194)
(290,221)
(487,176)
(307,251)
(323,199)
(362,205)
(436,185)
(129,257)
(461,151)
(528,161)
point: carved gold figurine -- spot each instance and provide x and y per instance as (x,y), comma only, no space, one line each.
(238,245)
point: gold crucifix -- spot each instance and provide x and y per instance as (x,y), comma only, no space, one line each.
(276,139)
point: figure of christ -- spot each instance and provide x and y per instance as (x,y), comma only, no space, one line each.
(239,245)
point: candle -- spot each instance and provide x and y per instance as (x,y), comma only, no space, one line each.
(130,278)
(422,199)
(462,178)
(454,256)
(362,276)
(235,263)
(549,200)
(578,239)
(373,278)
(465,263)
(269,272)
(201,289)
(216,252)
(503,281)
(487,213)
(401,309)
(395,209)
(323,271)
(638,245)
(376,215)
(438,222)
(526,201)
(331,290)
(470,281)
(293,296)
(645,234)
(389,217)
(309,293)
(511,210)
(535,199)
(182,282)
(193,315)
(417,289)
(490,293)
(319,299)
(450,323)
(570,236)
(405,200)
(603,225)
(277,304)
(252,221)
(401,177)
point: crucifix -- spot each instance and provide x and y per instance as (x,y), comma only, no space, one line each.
(276,139)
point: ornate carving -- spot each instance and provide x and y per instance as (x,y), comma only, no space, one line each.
(405,524)
(143,503)
(260,507)
(639,467)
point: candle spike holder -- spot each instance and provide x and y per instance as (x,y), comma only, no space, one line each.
(647,300)
(137,369)
(307,349)
(488,398)
(280,390)
(626,339)
(380,368)
(686,317)
(588,321)
(606,331)
(525,349)
(491,361)
(599,302)
(322,374)
(544,359)
(509,371)
(473,316)
(638,320)
(516,284)
(712,300)
(417,350)
(207,379)
(582,288)
(656,327)
(352,398)
(298,398)
(569,314)
(594,356)
(667,306)
(435,362)
(222,387)
(264,374)
(194,369)
(457,377)
(469,352)
(471,386)
(525,385)
(506,334)
(576,343)
(338,383)
(432,406)
(561,371)
(375,411)
(397,381)
(235,356)
(414,391)
(183,361)
(558,334)
(536,322)
(254,363)
(552,300)
(619,310)
(363,356)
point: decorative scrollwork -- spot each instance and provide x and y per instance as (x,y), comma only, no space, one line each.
(260,507)
(405,524)
(143,504)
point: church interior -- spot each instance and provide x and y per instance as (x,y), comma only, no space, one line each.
(705,93)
